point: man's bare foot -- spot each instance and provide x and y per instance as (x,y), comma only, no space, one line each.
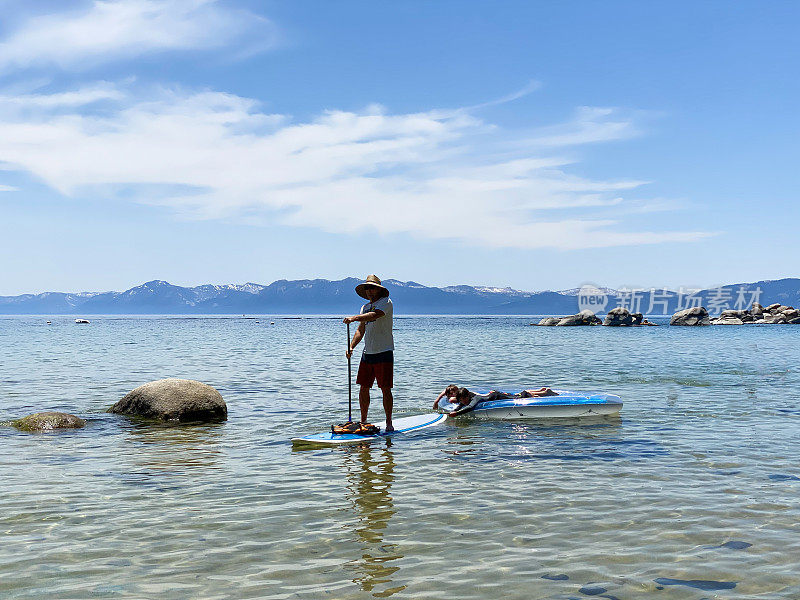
(389,428)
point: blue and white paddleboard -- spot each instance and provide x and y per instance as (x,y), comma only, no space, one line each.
(401,426)
(566,404)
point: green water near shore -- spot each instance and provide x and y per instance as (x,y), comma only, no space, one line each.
(694,492)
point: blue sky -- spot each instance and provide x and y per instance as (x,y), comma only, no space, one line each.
(539,145)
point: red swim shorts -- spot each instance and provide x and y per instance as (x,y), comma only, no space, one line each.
(376,366)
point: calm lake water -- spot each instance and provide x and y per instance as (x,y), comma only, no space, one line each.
(693,492)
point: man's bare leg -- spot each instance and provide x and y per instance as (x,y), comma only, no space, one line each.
(388,405)
(363,402)
(544,391)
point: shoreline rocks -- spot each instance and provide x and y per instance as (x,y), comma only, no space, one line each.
(48,421)
(177,400)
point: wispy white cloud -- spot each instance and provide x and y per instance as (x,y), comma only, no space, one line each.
(590,125)
(106,30)
(212,155)
(8,188)
(528,89)
(85,96)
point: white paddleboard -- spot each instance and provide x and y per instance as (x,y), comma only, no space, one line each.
(401,426)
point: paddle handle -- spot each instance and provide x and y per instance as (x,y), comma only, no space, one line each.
(349,380)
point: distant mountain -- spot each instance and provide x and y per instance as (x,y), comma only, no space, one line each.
(321,296)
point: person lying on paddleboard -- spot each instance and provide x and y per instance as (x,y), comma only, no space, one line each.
(469,400)
(449,392)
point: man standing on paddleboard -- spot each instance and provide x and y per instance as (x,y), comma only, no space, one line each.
(377,361)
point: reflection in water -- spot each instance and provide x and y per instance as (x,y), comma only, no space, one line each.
(173,448)
(471,434)
(598,438)
(370,473)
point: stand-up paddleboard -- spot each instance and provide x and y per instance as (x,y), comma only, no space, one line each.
(402,425)
(565,405)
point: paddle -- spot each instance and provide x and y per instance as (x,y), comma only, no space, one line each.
(349,380)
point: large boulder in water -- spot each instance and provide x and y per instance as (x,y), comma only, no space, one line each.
(48,421)
(181,400)
(619,317)
(696,315)
(585,317)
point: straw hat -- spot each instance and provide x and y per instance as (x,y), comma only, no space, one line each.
(371,281)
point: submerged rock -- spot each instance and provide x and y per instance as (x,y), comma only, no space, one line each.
(697,315)
(182,400)
(48,421)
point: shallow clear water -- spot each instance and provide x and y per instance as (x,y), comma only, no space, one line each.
(661,502)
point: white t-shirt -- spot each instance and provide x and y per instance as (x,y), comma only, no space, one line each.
(378,333)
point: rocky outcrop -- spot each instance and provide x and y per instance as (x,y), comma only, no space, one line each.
(768,319)
(697,315)
(180,400)
(585,317)
(619,317)
(48,421)
(727,321)
(549,321)
(616,317)
(791,313)
(774,314)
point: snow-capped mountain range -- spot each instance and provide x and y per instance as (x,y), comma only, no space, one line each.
(322,296)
